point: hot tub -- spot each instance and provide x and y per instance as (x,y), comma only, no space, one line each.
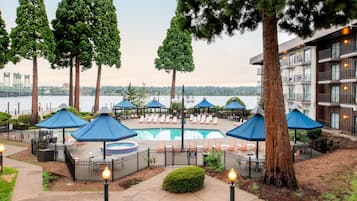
(122,147)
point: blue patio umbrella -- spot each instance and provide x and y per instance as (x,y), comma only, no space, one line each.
(154,104)
(252,130)
(234,105)
(63,118)
(124,105)
(103,128)
(204,104)
(297,120)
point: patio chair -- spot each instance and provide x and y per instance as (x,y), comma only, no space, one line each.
(174,120)
(176,146)
(206,146)
(160,147)
(162,119)
(141,120)
(167,120)
(194,120)
(192,146)
(215,121)
(233,147)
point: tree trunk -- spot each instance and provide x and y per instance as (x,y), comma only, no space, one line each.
(97,89)
(34,108)
(77,87)
(70,100)
(278,162)
(173,86)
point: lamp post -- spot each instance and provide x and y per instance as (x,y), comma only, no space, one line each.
(232,176)
(106,175)
(182,118)
(2,150)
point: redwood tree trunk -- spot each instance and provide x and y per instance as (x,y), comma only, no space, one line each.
(70,100)
(173,86)
(278,162)
(97,89)
(77,87)
(34,108)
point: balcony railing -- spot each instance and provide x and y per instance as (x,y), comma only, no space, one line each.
(303,97)
(349,48)
(348,74)
(299,78)
(260,71)
(348,99)
(324,76)
(306,78)
(325,54)
(325,98)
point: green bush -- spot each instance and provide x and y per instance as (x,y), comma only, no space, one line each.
(4,117)
(47,178)
(186,179)
(213,161)
(24,118)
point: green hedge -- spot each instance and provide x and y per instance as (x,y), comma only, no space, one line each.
(186,179)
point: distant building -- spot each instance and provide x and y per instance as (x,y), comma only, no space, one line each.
(320,74)
(298,67)
(337,77)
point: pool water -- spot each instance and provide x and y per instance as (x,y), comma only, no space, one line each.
(175,134)
(120,145)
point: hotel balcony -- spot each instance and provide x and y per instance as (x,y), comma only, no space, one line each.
(260,71)
(349,48)
(326,98)
(325,76)
(348,99)
(303,97)
(325,54)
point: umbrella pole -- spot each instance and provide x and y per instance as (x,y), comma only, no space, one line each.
(295,137)
(63,135)
(257,150)
(104,150)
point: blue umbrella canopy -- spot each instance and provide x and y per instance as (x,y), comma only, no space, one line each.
(298,120)
(253,129)
(234,105)
(103,128)
(204,104)
(154,104)
(62,119)
(124,104)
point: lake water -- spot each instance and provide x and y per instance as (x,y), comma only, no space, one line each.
(87,102)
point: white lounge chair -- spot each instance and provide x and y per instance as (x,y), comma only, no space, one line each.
(174,120)
(215,120)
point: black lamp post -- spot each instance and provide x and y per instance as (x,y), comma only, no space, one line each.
(182,118)
(232,176)
(106,175)
(2,150)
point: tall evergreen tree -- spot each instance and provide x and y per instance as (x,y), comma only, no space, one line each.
(73,32)
(106,39)
(175,54)
(32,38)
(4,44)
(206,19)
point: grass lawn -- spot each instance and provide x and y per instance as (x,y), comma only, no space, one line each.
(14,143)
(7,183)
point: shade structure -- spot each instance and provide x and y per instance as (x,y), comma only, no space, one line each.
(104,128)
(204,104)
(297,120)
(154,104)
(252,130)
(124,105)
(63,118)
(234,105)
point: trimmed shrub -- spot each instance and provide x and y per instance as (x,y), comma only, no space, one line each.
(186,179)
(213,161)
(4,117)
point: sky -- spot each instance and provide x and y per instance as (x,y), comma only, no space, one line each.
(143,25)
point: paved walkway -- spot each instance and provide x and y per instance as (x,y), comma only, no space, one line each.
(29,188)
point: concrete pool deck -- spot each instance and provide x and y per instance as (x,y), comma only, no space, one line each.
(92,149)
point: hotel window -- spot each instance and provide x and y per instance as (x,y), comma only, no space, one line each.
(334,120)
(307,56)
(292,59)
(335,72)
(291,93)
(306,91)
(335,94)
(307,74)
(335,50)
(291,76)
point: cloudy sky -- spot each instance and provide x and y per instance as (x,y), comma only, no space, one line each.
(143,26)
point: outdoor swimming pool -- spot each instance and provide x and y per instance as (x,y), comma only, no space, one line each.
(175,134)
(122,147)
